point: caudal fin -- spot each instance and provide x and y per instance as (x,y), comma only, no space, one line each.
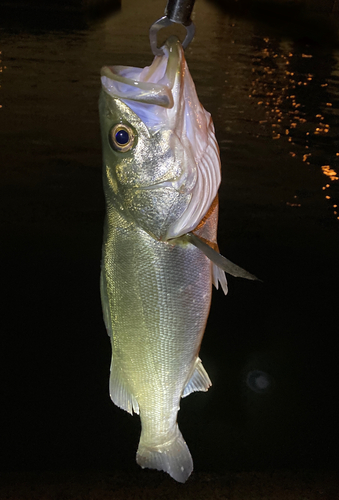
(172,457)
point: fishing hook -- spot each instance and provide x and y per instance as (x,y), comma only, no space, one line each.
(177,11)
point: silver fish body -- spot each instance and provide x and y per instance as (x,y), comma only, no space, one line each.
(155,285)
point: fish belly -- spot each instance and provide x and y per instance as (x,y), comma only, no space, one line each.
(156,299)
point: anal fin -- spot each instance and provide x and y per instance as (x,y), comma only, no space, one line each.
(199,381)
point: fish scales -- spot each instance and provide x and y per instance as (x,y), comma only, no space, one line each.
(152,309)
(155,285)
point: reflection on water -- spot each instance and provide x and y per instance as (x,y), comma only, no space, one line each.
(297,93)
(332,174)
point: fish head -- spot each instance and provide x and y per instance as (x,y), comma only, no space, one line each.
(161,159)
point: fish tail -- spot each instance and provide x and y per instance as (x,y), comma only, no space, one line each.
(172,457)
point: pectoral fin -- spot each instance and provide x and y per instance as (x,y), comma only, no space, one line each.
(217,259)
(199,381)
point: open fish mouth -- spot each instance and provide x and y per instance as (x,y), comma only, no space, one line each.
(150,85)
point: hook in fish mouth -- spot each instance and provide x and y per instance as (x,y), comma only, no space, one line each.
(164,22)
(179,12)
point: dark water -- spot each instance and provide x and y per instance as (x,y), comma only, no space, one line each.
(271,348)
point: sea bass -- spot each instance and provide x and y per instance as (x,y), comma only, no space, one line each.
(161,176)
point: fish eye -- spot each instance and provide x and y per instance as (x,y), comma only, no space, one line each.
(121,138)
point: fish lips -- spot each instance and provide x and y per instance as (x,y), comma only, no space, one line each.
(151,85)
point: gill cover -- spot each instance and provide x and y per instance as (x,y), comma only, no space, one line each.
(170,177)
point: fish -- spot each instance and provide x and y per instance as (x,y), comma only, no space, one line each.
(161,175)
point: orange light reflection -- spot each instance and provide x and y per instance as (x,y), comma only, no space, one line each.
(332,174)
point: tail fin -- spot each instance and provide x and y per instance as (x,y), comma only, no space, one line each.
(172,457)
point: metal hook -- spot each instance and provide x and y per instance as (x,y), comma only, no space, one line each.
(177,11)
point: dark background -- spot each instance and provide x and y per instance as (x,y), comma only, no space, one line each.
(277,219)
